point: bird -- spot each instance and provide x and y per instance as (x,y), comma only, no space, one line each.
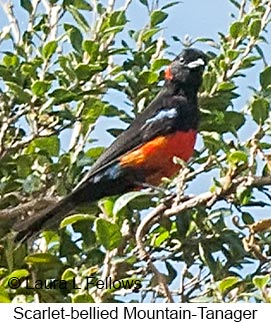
(143,153)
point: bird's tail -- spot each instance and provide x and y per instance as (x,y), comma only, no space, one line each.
(34,224)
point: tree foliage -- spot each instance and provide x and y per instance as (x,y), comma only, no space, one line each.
(59,70)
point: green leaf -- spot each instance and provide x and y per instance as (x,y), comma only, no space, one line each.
(261,281)
(255,28)
(236,157)
(226,86)
(157,17)
(21,95)
(24,165)
(75,218)
(92,48)
(42,258)
(50,144)
(148,77)
(259,110)
(247,218)
(125,199)
(227,283)
(4,297)
(75,36)
(265,77)
(94,152)
(233,120)
(19,273)
(39,88)
(68,274)
(86,71)
(26,4)
(159,63)
(171,4)
(149,33)
(49,49)
(83,298)
(163,236)
(144,2)
(172,272)
(80,4)
(108,234)
(62,95)
(79,18)
(236,29)
(10,60)
(243,194)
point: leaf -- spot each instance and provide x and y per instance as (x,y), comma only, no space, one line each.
(233,120)
(255,28)
(163,236)
(114,132)
(26,4)
(149,33)
(172,272)
(95,152)
(75,36)
(227,283)
(144,2)
(236,157)
(159,63)
(265,77)
(243,194)
(108,234)
(148,77)
(21,95)
(92,48)
(236,29)
(42,258)
(10,60)
(226,86)
(81,5)
(247,218)
(261,281)
(4,297)
(86,71)
(50,144)
(79,18)
(259,110)
(39,88)
(62,95)
(171,4)
(157,17)
(83,298)
(24,165)
(68,274)
(49,49)
(19,273)
(76,218)
(125,199)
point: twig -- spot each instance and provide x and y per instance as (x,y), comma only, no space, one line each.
(8,9)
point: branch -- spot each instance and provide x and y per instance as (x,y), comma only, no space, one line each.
(22,209)
(206,198)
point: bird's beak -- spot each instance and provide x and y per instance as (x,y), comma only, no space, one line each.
(196,63)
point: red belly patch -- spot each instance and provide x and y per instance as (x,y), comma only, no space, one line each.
(155,157)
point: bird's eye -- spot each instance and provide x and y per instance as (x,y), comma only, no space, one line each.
(181,60)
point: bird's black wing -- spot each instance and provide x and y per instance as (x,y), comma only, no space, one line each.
(159,118)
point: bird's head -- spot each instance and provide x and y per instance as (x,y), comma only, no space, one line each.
(187,68)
